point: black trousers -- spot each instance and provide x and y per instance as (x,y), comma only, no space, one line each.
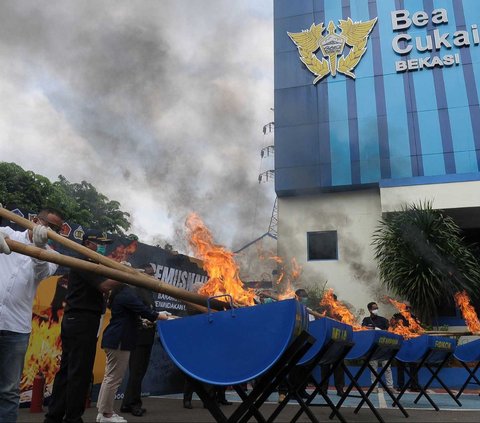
(401,374)
(215,392)
(79,342)
(297,374)
(338,377)
(137,366)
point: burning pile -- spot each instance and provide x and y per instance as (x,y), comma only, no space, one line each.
(287,279)
(218,262)
(412,329)
(468,312)
(338,311)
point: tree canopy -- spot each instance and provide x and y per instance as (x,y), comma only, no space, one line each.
(423,258)
(80,202)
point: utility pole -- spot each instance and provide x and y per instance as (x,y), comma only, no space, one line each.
(268,176)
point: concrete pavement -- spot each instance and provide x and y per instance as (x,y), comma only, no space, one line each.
(170,409)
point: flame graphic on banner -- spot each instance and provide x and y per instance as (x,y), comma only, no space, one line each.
(44,349)
(122,252)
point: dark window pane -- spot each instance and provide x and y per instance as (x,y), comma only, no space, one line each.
(322,245)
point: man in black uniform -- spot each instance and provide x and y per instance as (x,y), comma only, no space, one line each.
(84,306)
(374,321)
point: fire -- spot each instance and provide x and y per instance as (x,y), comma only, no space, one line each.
(288,278)
(287,294)
(413,329)
(44,349)
(468,312)
(338,311)
(218,262)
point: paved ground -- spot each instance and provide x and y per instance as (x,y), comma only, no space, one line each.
(170,409)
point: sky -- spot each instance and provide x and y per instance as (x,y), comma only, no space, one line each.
(159,104)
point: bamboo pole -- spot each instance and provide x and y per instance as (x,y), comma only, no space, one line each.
(106,261)
(68,243)
(135,278)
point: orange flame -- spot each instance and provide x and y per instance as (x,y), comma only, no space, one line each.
(468,312)
(338,311)
(218,262)
(400,329)
(287,294)
(296,270)
(44,349)
(288,278)
(413,329)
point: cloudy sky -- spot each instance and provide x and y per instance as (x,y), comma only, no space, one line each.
(159,104)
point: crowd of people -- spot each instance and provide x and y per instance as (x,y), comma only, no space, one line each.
(127,340)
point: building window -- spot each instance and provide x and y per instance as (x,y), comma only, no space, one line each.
(322,245)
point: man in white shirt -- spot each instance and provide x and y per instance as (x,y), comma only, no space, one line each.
(19,279)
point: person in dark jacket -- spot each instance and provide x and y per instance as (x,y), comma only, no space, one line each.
(119,338)
(83,310)
(374,321)
(140,356)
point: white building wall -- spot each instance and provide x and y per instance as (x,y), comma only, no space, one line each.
(449,195)
(354,215)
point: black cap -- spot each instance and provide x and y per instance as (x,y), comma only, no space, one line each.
(96,235)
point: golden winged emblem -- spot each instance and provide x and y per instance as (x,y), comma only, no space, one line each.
(353,34)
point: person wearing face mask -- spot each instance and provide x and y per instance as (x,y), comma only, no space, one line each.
(20,276)
(377,322)
(84,306)
(301,295)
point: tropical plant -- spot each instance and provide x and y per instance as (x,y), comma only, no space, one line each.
(423,258)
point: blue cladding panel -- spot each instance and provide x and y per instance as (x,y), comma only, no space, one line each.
(343,132)
(301,144)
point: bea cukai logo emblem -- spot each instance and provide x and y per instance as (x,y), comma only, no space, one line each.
(332,45)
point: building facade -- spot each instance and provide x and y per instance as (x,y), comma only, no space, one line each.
(376,107)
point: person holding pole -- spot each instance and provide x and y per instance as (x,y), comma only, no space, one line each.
(119,338)
(19,278)
(80,324)
(140,355)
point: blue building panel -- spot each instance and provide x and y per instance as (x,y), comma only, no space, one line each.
(301,146)
(392,103)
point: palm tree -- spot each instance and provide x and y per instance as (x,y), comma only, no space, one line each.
(422,258)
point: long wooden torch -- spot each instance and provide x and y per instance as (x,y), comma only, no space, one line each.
(102,265)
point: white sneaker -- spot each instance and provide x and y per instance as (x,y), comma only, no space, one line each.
(99,416)
(114,419)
